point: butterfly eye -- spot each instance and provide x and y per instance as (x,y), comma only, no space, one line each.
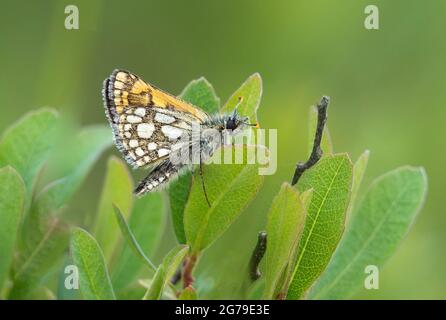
(231,124)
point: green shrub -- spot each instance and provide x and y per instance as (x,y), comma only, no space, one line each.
(319,239)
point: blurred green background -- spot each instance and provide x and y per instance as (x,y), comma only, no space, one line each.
(386,87)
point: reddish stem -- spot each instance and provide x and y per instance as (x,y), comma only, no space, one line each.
(189,265)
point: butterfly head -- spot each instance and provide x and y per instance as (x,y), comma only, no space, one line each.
(234,121)
(237,123)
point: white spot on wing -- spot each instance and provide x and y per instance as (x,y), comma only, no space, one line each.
(164,118)
(133,119)
(121,76)
(152,146)
(133,143)
(171,132)
(163,152)
(145,130)
(140,112)
(119,85)
(139,152)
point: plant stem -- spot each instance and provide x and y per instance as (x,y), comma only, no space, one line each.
(189,265)
(316,152)
(280,296)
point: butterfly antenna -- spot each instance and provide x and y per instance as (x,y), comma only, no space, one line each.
(240,100)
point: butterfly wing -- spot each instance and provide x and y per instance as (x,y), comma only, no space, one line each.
(146,121)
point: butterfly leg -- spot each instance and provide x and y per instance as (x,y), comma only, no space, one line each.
(159,176)
(203,149)
(203,184)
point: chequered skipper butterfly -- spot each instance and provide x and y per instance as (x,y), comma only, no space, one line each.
(151,128)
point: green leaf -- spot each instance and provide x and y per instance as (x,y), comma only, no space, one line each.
(117,190)
(169,293)
(377,227)
(44,237)
(26,144)
(251,94)
(255,291)
(94,281)
(188,293)
(34,264)
(305,197)
(358,174)
(201,94)
(131,240)
(12,197)
(326,143)
(178,194)
(165,272)
(230,188)
(147,222)
(285,223)
(42,293)
(63,276)
(75,163)
(331,180)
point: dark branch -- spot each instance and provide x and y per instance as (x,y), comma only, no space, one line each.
(257,255)
(316,153)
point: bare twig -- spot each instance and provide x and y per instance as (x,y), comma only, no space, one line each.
(257,255)
(316,153)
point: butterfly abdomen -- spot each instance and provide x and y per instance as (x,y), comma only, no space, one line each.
(160,176)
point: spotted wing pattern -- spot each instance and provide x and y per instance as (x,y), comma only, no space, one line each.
(147,123)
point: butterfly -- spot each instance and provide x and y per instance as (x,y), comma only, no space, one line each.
(156,130)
